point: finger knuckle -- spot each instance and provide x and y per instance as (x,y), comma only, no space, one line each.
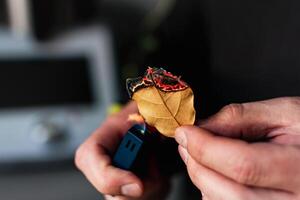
(246,171)
(231,111)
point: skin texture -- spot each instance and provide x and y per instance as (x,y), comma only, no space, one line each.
(246,151)
(93,158)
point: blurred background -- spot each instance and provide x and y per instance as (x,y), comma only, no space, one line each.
(63,66)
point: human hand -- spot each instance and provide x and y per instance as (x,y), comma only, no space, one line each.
(93,159)
(246,151)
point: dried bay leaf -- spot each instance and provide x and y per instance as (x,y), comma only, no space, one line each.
(166,110)
(164,100)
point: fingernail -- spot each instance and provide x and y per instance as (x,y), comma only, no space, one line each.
(183,154)
(180,137)
(133,190)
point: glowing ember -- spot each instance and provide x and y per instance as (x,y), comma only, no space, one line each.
(158,77)
(136,118)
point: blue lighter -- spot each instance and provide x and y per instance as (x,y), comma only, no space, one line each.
(131,147)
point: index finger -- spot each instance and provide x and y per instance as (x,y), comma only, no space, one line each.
(258,164)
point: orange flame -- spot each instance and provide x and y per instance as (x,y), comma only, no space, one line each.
(137,118)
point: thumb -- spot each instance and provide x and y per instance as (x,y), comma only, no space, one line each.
(248,121)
